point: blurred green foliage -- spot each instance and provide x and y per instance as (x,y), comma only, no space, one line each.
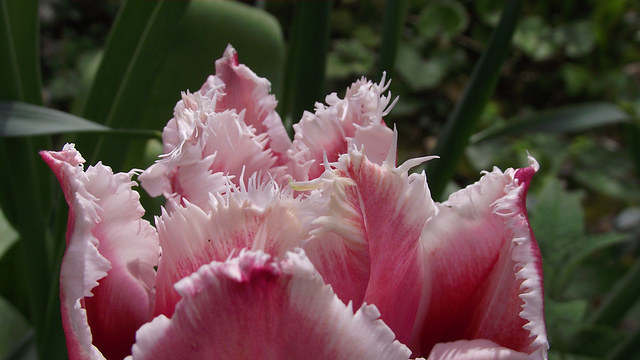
(584,202)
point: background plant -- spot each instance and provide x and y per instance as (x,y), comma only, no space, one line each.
(480,82)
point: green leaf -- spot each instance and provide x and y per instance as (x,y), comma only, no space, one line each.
(134,52)
(445,18)
(14,332)
(423,74)
(624,296)
(20,68)
(192,55)
(572,118)
(22,119)
(306,59)
(557,220)
(535,38)
(587,247)
(462,121)
(395,13)
(8,236)
(579,38)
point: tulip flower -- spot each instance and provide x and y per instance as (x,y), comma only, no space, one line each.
(321,247)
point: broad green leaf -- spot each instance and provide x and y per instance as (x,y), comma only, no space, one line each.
(20,67)
(25,183)
(192,55)
(572,118)
(14,331)
(134,52)
(445,18)
(22,119)
(306,60)
(395,13)
(462,121)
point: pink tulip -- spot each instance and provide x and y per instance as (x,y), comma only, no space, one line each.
(266,245)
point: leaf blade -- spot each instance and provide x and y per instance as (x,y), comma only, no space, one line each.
(461,123)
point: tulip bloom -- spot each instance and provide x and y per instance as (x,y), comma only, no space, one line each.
(321,247)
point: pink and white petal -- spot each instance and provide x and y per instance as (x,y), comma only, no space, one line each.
(220,146)
(331,130)
(107,273)
(259,217)
(255,306)
(480,349)
(484,267)
(245,91)
(377,212)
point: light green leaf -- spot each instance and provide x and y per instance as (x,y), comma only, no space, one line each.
(572,118)
(22,119)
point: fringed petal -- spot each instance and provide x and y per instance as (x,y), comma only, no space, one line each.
(107,274)
(337,127)
(484,268)
(221,148)
(245,91)
(258,217)
(367,242)
(474,350)
(254,306)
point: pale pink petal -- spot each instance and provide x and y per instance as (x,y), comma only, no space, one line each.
(244,90)
(484,268)
(254,306)
(337,127)
(107,274)
(259,217)
(474,350)
(367,244)
(219,149)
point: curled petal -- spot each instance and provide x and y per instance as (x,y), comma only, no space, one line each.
(484,267)
(254,306)
(107,274)
(259,217)
(341,125)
